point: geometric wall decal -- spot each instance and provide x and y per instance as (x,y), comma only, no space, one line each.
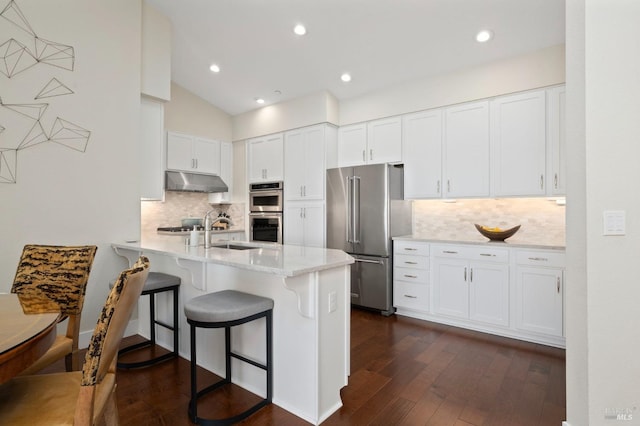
(56,54)
(35,136)
(8,165)
(53,88)
(15,57)
(13,14)
(70,135)
(33,111)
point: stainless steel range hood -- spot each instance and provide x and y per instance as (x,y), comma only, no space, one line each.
(194,182)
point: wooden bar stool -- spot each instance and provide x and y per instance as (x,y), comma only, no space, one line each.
(226,309)
(157,282)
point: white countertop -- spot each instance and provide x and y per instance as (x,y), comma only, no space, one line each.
(480,240)
(285,260)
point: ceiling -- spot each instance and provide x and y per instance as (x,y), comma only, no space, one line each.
(381,43)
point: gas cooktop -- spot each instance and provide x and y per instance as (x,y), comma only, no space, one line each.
(186,228)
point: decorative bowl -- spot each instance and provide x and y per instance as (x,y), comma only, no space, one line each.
(496,234)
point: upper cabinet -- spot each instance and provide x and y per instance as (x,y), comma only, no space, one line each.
(518,139)
(226,174)
(266,158)
(152,162)
(305,152)
(375,142)
(466,150)
(155,76)
(192,154)
(556,142)
(422,151)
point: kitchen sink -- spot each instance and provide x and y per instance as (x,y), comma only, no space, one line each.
(234,246)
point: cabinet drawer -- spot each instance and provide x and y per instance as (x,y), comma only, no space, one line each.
(472,252)
(411,247)
(540,258)
(411,275)
(411,296)
(408,261)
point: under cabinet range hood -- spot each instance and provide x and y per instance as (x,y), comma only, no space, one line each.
(194,182)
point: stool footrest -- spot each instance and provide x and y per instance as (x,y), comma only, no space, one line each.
(145,363)
(248,361)
(164,324)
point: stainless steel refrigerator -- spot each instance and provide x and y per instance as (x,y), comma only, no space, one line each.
(365,209)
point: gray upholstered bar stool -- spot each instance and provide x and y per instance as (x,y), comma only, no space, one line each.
(226,309)
(157,282)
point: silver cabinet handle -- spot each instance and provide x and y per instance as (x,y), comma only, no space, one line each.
(304,212)
(438,186)
(410,297)
(465,273)
(300,213)
(471,275)
(364,158)
(541,181)
(487,254)
(448,185)
(410,263)
(196,163)
(371,154)
(558,285)
(449,251)
(301,190)
(410,276)
(539,259)
(304,190)
(410,249)
(555,181)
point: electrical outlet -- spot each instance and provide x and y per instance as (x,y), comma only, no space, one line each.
(333,301)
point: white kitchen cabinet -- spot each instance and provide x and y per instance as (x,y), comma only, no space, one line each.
(375,142)
(192,154)
(518,144)
(304,163)
(151,144)
(422,152)
(539,291)
(266,158)
(471,283)
(556,141)
(304,224)
(466,150)
(411,276)
(226,174)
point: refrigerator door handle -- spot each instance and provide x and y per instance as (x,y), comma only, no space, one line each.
(349,209)
(355,211)
(379,262)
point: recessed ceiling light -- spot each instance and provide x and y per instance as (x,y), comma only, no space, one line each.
(484,36)
(214,68)
(260,100)
(300,29)
(346,77)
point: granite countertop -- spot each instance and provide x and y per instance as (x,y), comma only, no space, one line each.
(513,242)
(285,260)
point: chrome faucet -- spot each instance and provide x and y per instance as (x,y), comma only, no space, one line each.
(207,229)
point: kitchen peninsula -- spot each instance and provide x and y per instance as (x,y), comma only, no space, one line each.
(310,289)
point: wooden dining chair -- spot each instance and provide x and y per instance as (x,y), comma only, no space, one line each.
(86,397)
(55,280)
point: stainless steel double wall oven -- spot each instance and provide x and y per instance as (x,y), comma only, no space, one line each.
(266,202)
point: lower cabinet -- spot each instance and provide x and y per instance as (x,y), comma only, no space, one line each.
(512,292)
(304,224)
(470,289)
(411,275)
(540,292)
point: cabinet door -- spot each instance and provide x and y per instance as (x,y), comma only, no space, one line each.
(206,154)
(226,174)
(518,139)
(450,288)
(294,165)
(352,145)
(384,141)
(152,162)
(314,220)
(314,164)
(539,300)
(489,293)
(266,158)
(466,150)
(293,232)
(422,153)
(556,141)
(179,152)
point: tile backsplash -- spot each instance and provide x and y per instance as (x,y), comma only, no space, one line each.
(542,220)
(178,205)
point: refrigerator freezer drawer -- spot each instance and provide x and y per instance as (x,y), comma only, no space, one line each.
(371,283)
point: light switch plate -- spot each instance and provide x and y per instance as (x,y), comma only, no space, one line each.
(614,222)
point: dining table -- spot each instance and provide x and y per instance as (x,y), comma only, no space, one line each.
(24,336)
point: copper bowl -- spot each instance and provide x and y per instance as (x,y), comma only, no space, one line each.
(497,235)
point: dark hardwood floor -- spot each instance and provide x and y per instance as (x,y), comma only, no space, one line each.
(403,372)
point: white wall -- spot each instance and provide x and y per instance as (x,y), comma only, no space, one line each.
(64,196)
(541,68)
(320,107)
(602,318)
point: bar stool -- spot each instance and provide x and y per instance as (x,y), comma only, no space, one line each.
(226,309)
(157,282)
